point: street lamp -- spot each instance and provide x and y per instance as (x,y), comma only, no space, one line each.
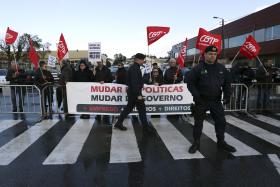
(223,35)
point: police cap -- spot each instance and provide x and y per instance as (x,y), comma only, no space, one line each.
(140,56)
(211,48)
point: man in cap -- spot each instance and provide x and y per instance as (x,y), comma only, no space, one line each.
(206,82)
(134,93)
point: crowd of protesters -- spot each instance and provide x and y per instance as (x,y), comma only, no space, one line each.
(84,72)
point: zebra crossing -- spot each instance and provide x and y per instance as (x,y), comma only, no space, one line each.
(124,146)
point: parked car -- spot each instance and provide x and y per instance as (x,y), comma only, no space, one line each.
(3,73)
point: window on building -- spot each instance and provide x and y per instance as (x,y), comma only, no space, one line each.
(268,34)
(276,32)
(226,43)
(259,35)
(237,40)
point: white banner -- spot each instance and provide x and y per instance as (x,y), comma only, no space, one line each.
(51,61)
(94,52)
(110,99)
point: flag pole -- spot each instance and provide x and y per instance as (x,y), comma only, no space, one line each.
(234,57)
(262,64)
(150,79)
(198,59)
(193,60)
(14,54)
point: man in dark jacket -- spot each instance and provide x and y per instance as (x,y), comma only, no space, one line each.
(206,82)
(102,75)
(243,74)
(264,79)
(65,76)
(173,75)
(43,80)
(17,76)
(121,74)
(134,92)
(83,74)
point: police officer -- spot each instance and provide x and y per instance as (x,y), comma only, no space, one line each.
(134,92)
(206,82)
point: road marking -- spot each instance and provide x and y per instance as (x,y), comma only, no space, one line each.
(124,147)
(254,130)
(241,148)
(5,124)
(18,145)
(268,120)
(69,148)
(174,141)
(276,161)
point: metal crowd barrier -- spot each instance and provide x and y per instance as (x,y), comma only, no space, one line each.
(49,100)
(20,99)
(53,97)
(264,97)
(238,99)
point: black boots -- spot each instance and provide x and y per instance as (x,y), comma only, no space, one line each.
(222,145)
(120,126)
(194,147)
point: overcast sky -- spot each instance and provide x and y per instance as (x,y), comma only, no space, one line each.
(120,25)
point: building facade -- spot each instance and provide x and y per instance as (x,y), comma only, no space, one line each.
(264,25)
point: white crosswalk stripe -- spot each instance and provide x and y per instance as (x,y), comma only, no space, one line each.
(69,148)
(254,130)
(18,145)
(276,161)
(124,147)
(268,120)
(174,141)
(6,124)
(241,148)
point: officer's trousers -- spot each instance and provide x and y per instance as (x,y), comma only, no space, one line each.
(140,105)
(218,115)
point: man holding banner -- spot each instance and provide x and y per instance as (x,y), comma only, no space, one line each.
(206,82)
(134,92)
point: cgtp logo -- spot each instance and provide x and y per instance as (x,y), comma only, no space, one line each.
(155,34)
(208,39)
(250,47)
(61,47)
(8,36)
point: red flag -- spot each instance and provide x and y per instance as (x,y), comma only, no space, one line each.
(182,55)
(205,39)
(154,33)
(33,55)
(61,48)
(250,48)
(11,36)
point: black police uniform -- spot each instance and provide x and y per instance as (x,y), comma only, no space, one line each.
(135,84)
(206,82)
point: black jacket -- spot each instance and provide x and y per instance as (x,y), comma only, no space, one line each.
(134,80)
(121,76)
(208,81)
(19,79)
(103,75)
(169,75)
(244,75)
(66,75)
(83,76)
(262,77)
(43,77)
